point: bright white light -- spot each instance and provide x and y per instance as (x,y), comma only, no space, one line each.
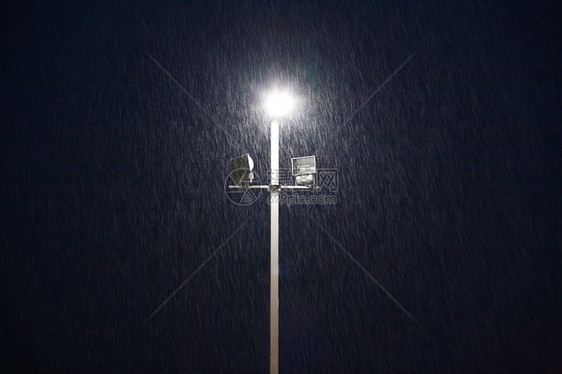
(279,104)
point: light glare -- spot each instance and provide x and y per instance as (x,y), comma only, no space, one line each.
(279,104)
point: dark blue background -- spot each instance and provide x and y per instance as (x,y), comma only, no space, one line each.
(448,191)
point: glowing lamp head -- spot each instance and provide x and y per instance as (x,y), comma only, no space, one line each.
(279,104)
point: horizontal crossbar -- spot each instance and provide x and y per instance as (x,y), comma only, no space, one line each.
(279,187)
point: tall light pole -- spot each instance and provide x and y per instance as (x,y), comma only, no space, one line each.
(277,105)
(274,244)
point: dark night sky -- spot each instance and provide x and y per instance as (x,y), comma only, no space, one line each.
(448,186)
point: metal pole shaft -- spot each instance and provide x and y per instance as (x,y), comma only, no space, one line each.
(274,290)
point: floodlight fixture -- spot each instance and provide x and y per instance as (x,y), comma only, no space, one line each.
(304,180)
(303,165)
(304,169)
(241,169)
(279,104)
